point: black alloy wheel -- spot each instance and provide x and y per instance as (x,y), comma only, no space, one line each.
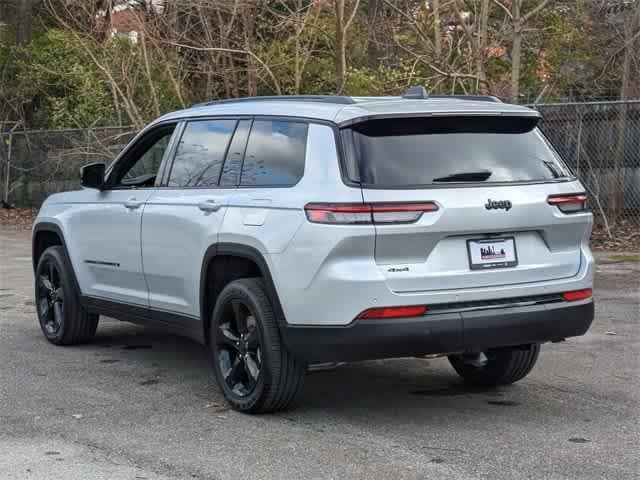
(50,297)
(239,348)
(62,318)
(253,367)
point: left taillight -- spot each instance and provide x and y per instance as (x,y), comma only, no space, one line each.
(570,203)
(339,213)
(367,213)
(394,312)
(575,295)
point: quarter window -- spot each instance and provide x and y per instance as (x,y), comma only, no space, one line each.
(200,153)
(275,153)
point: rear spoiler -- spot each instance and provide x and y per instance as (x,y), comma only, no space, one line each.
(386,125)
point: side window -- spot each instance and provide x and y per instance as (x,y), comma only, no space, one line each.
(235,154)
(141,168)
(200,153)
(275,153)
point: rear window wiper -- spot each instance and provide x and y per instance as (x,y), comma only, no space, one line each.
(477,176)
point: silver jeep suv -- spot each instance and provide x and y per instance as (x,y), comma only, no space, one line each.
(284,231)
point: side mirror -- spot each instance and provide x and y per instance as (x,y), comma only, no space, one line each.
(92,175)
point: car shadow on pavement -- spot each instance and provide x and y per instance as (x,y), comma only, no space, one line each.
(392,388)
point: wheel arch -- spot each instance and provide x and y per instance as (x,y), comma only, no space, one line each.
(248,256)
(45,235)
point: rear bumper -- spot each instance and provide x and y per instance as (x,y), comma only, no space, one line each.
(441,332)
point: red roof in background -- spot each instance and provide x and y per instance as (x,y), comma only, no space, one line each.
(127,20)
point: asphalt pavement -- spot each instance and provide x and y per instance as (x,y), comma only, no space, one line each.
(140,404)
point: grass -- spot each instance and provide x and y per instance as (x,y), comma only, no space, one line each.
(625,258)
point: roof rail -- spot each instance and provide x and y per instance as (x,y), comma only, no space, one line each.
(475,98)
(342,100)
(418,92)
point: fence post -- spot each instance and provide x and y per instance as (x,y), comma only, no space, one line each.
(579,141)
(7,179)
(89,130)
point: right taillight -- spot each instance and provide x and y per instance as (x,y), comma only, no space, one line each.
(569,203)
(367,213)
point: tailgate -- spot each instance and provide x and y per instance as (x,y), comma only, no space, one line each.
(433,253)
(491,178)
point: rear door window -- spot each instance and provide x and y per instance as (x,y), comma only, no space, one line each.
(426,151)
(200,153)
(275,153)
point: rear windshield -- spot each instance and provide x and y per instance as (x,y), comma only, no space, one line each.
(427,151)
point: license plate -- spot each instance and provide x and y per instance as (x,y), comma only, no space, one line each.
(492,253)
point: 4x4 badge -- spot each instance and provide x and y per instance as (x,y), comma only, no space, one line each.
(497,204)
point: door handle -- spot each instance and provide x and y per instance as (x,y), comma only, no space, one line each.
(209,206)
(132,203)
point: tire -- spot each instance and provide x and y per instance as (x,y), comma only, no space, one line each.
(504,366)
(62,319)
(239,346)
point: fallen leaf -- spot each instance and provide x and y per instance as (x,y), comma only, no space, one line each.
(215,405)
(579,440)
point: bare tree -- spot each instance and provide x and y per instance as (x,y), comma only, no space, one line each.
(374,11)
(4,13)
(23,22)
(343,22)
(519,21)
(462,59)
(476,30)
(248,29)
(437,29)
(298,22)
(628,83)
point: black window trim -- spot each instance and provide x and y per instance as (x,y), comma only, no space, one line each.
(132,148)
(244,151)
(175,141)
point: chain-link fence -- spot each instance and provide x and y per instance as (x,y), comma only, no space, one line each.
(599,140)
(35,164)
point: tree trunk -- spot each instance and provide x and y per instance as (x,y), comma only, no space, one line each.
(248,24)
(23,22)
(4,17)
(481,48)
(341,48)
(437,32)
(516,51)
(616,187)
(373,53)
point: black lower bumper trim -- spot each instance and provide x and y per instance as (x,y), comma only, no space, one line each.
(440,333)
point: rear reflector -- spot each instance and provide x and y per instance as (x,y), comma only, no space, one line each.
(577,295)
(569,203)
(367,213)
(394,312)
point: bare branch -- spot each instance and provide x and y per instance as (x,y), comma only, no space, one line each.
(276,84)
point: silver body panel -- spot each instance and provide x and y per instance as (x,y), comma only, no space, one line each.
(152,256)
